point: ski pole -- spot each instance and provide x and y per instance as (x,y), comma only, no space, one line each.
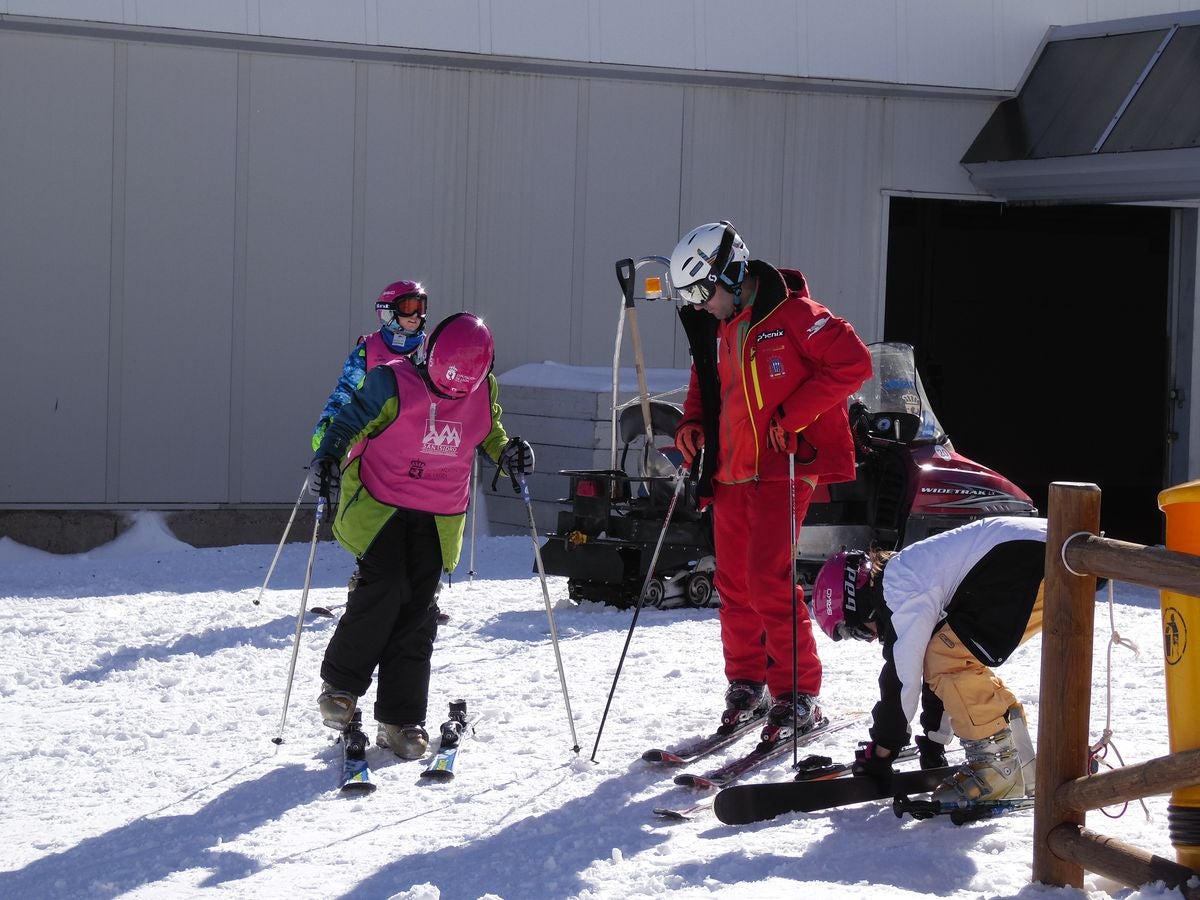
(282,540)
(474,508)
(795,610)
(312,552)
(680,477)
(537,555)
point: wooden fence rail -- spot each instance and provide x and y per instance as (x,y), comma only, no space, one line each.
(1063,847)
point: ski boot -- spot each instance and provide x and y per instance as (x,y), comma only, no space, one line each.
(992,771)
(788,715)
(744,700)
(406,741)
(337,707)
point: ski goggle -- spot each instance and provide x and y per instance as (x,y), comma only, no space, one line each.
(697,294)
(403,307)
(392,311)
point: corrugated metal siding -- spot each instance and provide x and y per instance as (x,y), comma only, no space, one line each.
(300,165)
(56,183)
(627,206)
(175,309)
(263,198)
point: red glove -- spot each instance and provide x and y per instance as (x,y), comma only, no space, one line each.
(780,439)
(689,438)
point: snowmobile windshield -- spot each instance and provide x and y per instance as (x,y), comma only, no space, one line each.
(895,387)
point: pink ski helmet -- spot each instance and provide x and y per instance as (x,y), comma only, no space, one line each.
(459,356)
(835,600)
(402,299)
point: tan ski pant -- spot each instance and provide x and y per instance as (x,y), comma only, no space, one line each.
(975,698)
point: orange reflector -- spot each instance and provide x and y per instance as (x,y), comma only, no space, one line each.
(653,288)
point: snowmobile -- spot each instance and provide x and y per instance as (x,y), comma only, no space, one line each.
(910,483)
(605,540)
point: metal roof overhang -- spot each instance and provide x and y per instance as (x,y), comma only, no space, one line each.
(1109,112)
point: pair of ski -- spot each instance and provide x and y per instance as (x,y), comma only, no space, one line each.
(820,783)
(764,752)
(743,804)
(356,773)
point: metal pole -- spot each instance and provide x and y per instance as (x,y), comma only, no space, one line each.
(312,552)
(680,477)
(474,508)
(537,555)
(286,531)
(795,606)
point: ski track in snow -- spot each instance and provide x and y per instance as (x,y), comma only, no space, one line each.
(141,689)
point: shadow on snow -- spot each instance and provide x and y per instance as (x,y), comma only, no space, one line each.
(267,635)
(151,848)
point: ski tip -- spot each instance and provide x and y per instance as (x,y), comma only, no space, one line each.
(695,782)
(439,775)
(359,788)
(662,757)
(322,611)
(732,808)
(671,815)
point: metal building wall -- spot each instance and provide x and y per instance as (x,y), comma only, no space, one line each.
(192,232)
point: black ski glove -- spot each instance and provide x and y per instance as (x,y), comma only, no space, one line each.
(932,754)
(867,761)
(324,477)
(517,457)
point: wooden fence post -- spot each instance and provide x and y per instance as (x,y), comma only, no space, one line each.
(1066,678)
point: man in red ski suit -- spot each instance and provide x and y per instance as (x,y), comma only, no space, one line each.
(771,372)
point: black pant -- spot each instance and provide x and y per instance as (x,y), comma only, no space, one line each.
(390,620)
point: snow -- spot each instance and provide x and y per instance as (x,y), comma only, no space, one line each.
(141,688)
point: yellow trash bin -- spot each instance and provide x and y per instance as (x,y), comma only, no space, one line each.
(1181,649)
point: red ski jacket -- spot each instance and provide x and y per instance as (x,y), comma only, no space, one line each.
(787,356)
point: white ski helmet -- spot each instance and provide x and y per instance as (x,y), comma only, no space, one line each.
(706,255)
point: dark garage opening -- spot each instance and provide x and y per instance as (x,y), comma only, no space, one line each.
(1041,334)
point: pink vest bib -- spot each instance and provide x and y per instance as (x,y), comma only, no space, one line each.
(423,459)
(378,352)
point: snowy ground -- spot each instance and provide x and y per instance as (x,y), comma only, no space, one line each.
(141,688)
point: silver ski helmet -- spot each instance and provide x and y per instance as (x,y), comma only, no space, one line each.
(706,256)
(459,355)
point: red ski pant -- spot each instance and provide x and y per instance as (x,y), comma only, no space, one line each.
(751,535)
